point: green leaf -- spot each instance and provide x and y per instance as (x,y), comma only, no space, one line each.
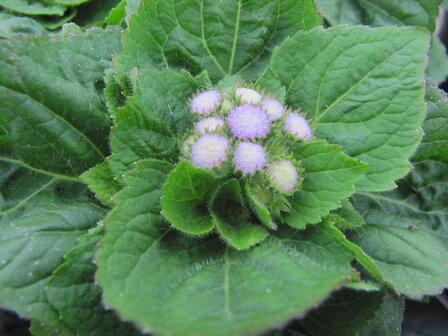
(11,25)
(345,217)
(343,314)
(329,178)
(231,217)
(388,318)
(435,142)
(271,84)
(340,11)
(117,14)
(33,7)
(41,219)
(223,38)
(94,12)
(101,181)
(438,60)
(421,13)
(363,89)
(72,293)
(147,127)
(185,196)
(51,100)
(169,283)
(55,22)
(357,252)
(259,208)
(410,255)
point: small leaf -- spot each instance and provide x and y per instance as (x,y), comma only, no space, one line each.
(271,84)
(259,208)
(435,142)
(340,11)
(329,178)
(232,219)
(185,196)
(363,88)
(101,181)
(438,60)
(11,25)
(345,217)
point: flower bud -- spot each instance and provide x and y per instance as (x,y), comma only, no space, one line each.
(298,126)
(249,157)
(248,96)
(206,102)
(248,122)
(283,174)
(273,108)
(209,150)
(209,125)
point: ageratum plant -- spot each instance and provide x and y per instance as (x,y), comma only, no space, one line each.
(225,168)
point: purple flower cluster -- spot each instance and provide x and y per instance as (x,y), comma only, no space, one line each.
(238,122)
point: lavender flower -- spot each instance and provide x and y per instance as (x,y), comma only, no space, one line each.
(298,126)
(249,157)
(248,96)
(248,122)
(283,174)
(206,102)
(209,125)
(209,150)
(273,108)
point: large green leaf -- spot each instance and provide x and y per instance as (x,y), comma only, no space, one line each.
(147,127)
(421,13)
(329,178)
(40,220)
(363,88)
(407,233)
(435,142)
(170,283)
(224,37)
(72,293)
(340,11)
(185,196)
(51,100)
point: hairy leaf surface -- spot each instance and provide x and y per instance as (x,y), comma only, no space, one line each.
(51,101)
(40,220)
(172,284)
(363,89)
(329,178)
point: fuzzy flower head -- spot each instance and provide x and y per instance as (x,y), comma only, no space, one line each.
(206,102)
(283,174)
(209,151)
(273,108)
(209,125)
(248,122)
(249,157)
(298,126)
(248,96)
